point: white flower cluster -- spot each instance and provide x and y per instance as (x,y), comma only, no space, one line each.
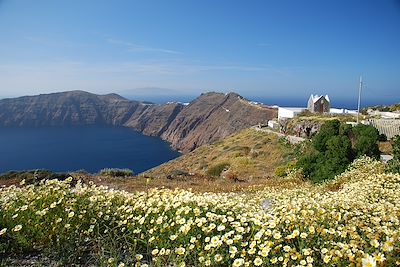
(351,221)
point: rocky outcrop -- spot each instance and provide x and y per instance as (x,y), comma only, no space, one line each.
(304,127)
(211,117)
(206,119)
(153,119)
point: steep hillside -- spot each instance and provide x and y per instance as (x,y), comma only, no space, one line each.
(213,116)
(208,118)
(67,108)
(153,119)
(249,157)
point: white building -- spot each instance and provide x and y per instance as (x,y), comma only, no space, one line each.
(289,112)
(342,111)
(316,103)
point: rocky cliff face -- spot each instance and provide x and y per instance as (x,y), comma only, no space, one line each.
(211,117)
(68,108)
(153,119)
(208,118)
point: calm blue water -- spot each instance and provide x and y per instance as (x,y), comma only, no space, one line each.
(91,148)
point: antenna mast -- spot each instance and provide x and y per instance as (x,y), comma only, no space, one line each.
(359,99)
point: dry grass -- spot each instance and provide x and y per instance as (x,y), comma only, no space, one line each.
(385,147)
(196,183)
(251,157)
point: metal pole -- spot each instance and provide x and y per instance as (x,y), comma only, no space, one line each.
(359,100)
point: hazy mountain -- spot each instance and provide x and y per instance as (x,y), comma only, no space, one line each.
(67,108)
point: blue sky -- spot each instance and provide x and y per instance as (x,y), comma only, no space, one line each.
(261,49)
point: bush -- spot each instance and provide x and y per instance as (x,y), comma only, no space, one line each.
(34,176)
(284,170)
(114,172)
(177,174)
(335,147)
(382,138)
(280,171)
(328,130)
(217,169)
(394,164)
(396,147)
(366,141)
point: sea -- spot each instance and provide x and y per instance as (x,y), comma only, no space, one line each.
(89,148)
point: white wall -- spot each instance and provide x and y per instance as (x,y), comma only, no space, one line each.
(285,113)
(289,112)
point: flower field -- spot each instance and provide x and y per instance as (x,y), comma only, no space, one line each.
(352,221)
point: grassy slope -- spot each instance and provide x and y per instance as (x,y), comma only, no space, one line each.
(250,155)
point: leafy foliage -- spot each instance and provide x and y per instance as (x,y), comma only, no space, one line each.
(335,147)
(396,147)
(114,172)
(328,130)
(33,176)
(284,170)
(366,141)
(394,164)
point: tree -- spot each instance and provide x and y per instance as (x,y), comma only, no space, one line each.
(396,147)
(335,147)
(328,130)
(338,155)
(309,164)
(366,141)
(394,164)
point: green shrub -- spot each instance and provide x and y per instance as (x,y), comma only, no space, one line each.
(34,176)
(217,169)
(394,164)
(283,171)
(114,172)
(335,147)
(382,138)
(280,171)
(366,141)
(328,130)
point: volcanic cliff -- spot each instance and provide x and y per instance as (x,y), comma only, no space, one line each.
(206,119)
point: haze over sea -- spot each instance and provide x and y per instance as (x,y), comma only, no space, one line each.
(91,148)
(294,101)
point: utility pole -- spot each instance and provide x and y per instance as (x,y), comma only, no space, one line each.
(359,99)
